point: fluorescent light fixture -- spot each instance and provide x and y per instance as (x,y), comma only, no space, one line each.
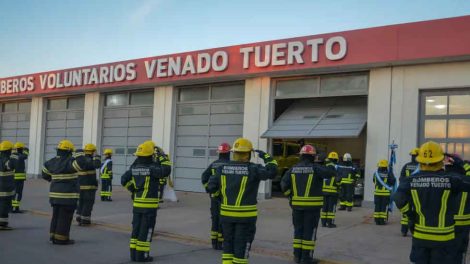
(440,106)
(430,100)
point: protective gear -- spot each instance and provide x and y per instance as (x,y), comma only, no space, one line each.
(223,148)
(382,164)
(333,155)
(143,180)
(347,157)
(108,152)
(151,143)
(430,153)
(19,166)
(106,175)
(406,171)
(6,145)
(303,185)
(7,185)
(462,218)
(414,152)
(347,175)
(330,197)
(238,184)
(144,150)
(382,193)
(89,148)
(66,145)
(242,145)
(308,150)
(19,145)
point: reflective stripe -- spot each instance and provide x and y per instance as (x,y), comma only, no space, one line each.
(242,191)
(20,176)
(238,211)
(146,186)
(405,208)
(64,195)
(287,193)
(70,176)
(443,210)
(88,187)
(76,166)
(463,201)
(6,173)
(87,173)
(309,184)
(308,245)
(434,233)
(227,258)
(307,201)
(417,204)
(223,180)
(145,205)
(294,184)
(5,194)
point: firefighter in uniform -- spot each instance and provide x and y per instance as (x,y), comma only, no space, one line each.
(347,175)
(106,175)
(406,171)
(143,180)
(161,159)
(330,194)
(303,185)
(7,183)
(216,228)
(384,182)
(431,196)
(86,165)
(19,157)
(238,182)
(63,193)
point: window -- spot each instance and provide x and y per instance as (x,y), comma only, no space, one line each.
(445,118)
(194,94)
(116,99)
(145,98)
(57,104)
(220,91)
(130,98)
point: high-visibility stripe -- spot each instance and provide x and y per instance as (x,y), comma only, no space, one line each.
(223,180)
(294,184)
(146,187)
(6,173)
(87,173)
(463,202)
(147,200)
(64,195)
(213,171)
(405,208)
(70,176)
(434,233)
(238,208)
(88,187)
(76,166)
(20,176)
(417,204)
(239,214)
(145,205)
(4,194)
(443,210)
(242,191)
(287,193)
(309,184)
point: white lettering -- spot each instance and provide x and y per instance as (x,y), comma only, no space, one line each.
(93,76)
(43,79)
(330,43)
(58,84)
(104,72)
(150,68)
(277,57)
(203,62)
(188,66)
(221,56)
(246,56)
(161,67)
(131,73)
(119,73)
(51,81)
(314,43)
(294,51)
(267,56)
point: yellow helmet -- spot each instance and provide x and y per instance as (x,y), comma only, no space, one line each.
(333,155)
(144,150)
(150,142)
(242,145)
(19,145)
(108,151)
(89,148)
(382,164)
(6,145)
(414,152)
(66,145)
(430,153)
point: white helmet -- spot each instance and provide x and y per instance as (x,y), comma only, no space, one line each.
(347,157)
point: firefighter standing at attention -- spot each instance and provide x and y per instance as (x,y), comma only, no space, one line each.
(406,171)
(19,157)
(384,182)
(303,185)
(106,175)
(161,159)
(63,193)
(330,194)
(86,165)
(431,196)
(143,180)
(7,183)
(347,175)
(238,182)
(216,228)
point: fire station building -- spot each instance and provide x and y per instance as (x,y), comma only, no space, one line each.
(354,91)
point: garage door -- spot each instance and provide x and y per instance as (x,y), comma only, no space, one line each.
(206,116)
(127,122)
(64,120)
(14,121)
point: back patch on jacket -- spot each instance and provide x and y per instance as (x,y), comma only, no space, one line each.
(235,170)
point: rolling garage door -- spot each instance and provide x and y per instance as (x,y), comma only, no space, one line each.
(127,122)
(206,116)
(64,120)
(14,121)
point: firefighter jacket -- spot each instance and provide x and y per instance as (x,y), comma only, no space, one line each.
(408,169)
(86,166)
(303,184)
(106,170)
(238,184)
(143,181)
(61,172)
(19,163)
(7,182)
(211,170)
(330,184)
(347,174)
(161,159)
(462,218)
(387,178)
(431,198)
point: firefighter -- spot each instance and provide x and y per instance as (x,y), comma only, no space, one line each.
(162,159)
(19,157)
(303,185)
(384,182)
(63,193)
(238,182)
(216,228)
(143,180)
(431,196)
(330,194)
(7,183)
(86,165)
(406,171)
(347,174)
(106,175)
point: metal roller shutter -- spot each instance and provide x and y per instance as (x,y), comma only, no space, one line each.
(14,121)
(127,122)
(64,120)
(206,117)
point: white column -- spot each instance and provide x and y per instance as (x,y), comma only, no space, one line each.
(91,119)
(36,137)
(256,119)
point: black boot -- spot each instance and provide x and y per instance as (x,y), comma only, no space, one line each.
(331,225)
(63,242)
(103,198)
(133,254)
(404,230)
(214,244)
(109,199)
(220,245)
(323,223)
(342,208)
(297,255)
(148,259)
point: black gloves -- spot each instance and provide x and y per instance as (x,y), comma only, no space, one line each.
(263,155)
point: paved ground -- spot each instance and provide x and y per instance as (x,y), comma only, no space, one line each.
(182,234)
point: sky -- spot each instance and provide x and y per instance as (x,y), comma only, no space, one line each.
(44,35)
